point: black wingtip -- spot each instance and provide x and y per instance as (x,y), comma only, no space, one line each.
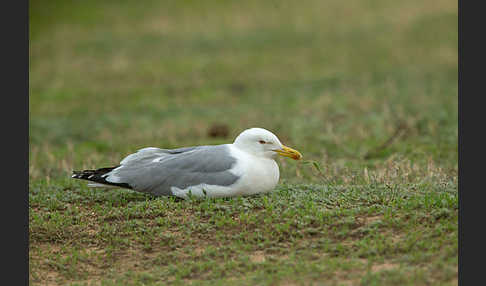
(97,176)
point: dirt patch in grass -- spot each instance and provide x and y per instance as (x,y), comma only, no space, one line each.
(371,219)
(258,257)
(384,267)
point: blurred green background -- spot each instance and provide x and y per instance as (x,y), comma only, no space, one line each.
(334,80)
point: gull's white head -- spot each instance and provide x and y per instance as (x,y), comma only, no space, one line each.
(263,143)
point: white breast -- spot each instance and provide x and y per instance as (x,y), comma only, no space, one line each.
(258,174)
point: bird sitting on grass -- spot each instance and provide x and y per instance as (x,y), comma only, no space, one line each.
(245,167)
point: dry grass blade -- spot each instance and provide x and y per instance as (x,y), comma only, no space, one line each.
(400,131)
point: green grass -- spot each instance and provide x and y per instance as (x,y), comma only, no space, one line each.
(366,90)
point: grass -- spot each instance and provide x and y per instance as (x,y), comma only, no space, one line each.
(366,90)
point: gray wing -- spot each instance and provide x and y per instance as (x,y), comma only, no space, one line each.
(155,170)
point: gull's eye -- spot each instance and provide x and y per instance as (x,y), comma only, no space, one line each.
(262,142)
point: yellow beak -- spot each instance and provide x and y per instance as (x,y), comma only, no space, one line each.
(289,152)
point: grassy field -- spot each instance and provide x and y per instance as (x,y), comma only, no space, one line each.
(366,90)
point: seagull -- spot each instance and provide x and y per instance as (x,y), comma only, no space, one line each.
(245,167)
